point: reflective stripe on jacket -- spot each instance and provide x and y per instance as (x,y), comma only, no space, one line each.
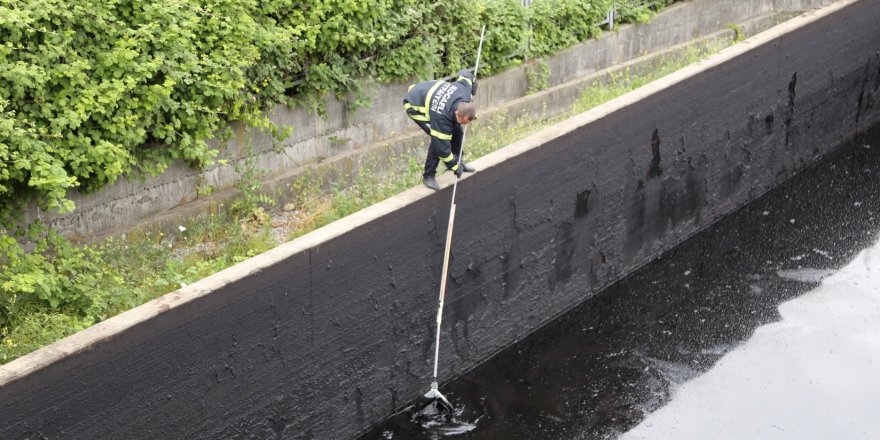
(434,102)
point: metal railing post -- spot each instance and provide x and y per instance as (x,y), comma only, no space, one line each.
(611,17)
(526,4)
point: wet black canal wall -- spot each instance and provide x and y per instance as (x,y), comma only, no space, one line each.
(321,337)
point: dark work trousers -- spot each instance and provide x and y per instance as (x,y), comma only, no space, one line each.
(433,158)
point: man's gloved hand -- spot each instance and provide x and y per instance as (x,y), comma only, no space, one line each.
(468,76)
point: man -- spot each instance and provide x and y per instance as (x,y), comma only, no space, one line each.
(440,109)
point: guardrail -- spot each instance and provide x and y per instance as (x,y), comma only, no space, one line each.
(609,16)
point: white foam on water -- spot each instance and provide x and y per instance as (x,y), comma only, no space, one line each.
(438,423)
(806,275)
(813,375)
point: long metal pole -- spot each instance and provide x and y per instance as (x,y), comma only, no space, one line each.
(434,392)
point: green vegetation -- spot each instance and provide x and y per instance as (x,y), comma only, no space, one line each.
(96,90)
(91,90)
(739,35)
(537,75)
(58,288)
(621,82)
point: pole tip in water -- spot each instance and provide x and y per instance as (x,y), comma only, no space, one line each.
(441,400)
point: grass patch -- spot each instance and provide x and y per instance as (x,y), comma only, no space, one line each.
(624,81)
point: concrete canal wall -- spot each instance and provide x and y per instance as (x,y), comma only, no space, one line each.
(325,335)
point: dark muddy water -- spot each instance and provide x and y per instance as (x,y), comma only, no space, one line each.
(600,369)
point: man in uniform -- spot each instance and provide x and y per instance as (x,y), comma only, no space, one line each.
(440,108)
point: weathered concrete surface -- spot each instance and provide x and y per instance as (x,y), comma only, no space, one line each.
(320,337)
(351,134)
(636,346)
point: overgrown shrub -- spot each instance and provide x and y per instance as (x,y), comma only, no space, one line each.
(95,90)
(54,275)
(92,90)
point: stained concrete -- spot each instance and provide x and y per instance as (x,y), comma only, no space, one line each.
(647,342)
(322,336)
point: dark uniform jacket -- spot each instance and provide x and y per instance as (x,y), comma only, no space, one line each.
(435,102)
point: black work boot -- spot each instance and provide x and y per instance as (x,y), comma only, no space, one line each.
(431,182)
(467,168)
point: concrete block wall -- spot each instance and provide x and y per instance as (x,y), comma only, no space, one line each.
(345,132)
(324,335)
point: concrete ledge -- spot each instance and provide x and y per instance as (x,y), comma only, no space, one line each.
(322,336)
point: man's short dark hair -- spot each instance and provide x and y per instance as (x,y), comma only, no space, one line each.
(467,110)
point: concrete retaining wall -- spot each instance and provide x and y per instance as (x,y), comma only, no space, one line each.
(324,335)
(352,133)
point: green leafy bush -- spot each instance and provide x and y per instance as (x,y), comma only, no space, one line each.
(95,90)
(558,24)
(54,275)
(639,11)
